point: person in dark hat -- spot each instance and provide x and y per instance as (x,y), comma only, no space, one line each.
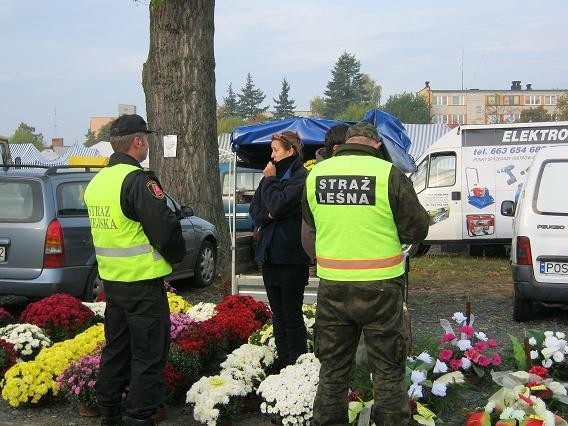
(362,208)
(137,238)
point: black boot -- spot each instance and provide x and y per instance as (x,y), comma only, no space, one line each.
(131,421)
(111,416)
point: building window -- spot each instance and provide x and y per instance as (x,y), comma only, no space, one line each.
(458,119)
(532,100)
(492,119)
(440,119)
(511,118)
(440,100)
(511,100)
(492,99)
(550,100)
(458,100)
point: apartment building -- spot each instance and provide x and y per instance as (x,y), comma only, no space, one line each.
(475,106)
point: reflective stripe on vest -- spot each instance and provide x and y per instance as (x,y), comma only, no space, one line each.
(123,251)
(356,236)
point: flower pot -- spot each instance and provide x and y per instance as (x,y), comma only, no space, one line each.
(251,403)
(86,411)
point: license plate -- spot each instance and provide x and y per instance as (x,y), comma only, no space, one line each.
(554,268)
(2,253)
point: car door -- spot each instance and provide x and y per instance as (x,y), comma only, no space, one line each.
(187,264)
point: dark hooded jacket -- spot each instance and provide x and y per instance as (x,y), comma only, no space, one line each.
(279,235)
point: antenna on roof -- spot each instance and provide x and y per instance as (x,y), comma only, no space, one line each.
(55,120)
(462,68)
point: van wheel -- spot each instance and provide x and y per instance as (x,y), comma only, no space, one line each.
(522,309)
(415,250)
(94,286)
(205,265)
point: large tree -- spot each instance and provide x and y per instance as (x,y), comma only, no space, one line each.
(408,108)
(179,83)
(345,87)
(284,106)
(230,106)
(250,99)
(26,134)
(533,115)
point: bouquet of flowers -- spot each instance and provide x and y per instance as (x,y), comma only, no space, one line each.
(289,396)
(28,339)
(522,398)
(215,398)
(77,382)
(202,311)
(5,317)
(429,387)
(177,303)
(61,315)
(468,348)
(7,356)
(550,350)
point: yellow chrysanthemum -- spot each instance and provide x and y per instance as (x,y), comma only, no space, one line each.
(177,303)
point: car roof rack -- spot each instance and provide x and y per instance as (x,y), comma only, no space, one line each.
(51,170)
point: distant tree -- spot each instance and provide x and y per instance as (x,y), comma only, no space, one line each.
(230,104)
(284,106)
(408,108)
(533,115)
(104,132)
(26,134)
(346,86)
(226,125)
(90,138)
(250,99)
(317,106)
(562,107)
(354,112)
(371,91)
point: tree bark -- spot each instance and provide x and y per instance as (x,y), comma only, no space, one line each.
(179,83)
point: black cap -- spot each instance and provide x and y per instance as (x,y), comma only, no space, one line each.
(128,124)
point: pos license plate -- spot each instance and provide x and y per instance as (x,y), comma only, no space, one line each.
(554,268)
(3,250)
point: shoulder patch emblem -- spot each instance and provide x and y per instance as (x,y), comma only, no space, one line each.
(155,190)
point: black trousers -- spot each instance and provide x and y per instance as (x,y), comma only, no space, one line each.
(137,325)
(284,286)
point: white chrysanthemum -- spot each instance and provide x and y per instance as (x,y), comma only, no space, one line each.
(440,367)
(459,317)
(425,357)
(417,376)
(202,311)
(97,307)
(481,336)
(534,354)
(415,391)
(532,341)
(439,389)
(466,363)
(464,344)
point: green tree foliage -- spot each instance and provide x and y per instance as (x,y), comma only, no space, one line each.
(230,105)
(227,124)
(408,108)
(26,134)
(562,107)
(353,112)
(317,106)
(102,135)
(250,99)
(533,115)
(90,138)
(371,91)
(346,87)
(284,106)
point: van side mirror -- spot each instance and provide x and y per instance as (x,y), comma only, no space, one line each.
(186,211)
(508,208)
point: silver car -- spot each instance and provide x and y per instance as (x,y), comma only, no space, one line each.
(45,238)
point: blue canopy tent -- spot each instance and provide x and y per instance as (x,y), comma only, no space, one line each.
(252,143)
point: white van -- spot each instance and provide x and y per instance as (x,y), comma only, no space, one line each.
(463,178)
(539,251)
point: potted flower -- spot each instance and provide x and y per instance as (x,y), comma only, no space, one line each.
(215,399)
(289,396)
(7,356)
(28,339)
(467,350)
(177,303)
(5,317)
(178,323)
(202,311)
(77,384)
(61,315)
(550,350)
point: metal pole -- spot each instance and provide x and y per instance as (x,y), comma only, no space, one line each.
(233,221)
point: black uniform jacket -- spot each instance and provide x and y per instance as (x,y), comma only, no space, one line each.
(411,219)
(279,235)
(142,201)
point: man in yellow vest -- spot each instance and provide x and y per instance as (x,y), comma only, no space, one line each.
(137,238)
(362,208)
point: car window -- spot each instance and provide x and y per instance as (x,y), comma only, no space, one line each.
(70,200)
(548,199)
(246,182)
(442,170)
(21,200)
(418,178)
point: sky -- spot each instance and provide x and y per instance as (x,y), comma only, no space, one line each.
(64,61)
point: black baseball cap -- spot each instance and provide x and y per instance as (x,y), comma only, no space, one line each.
(128,124)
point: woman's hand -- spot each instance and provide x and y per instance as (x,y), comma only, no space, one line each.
(269,170)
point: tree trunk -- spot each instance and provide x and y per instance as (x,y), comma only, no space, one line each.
(179,84)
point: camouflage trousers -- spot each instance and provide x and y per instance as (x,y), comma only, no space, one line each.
(344,310)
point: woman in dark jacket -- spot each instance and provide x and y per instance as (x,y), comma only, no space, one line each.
(276,212)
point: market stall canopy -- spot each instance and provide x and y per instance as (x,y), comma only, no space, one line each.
(252,143)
